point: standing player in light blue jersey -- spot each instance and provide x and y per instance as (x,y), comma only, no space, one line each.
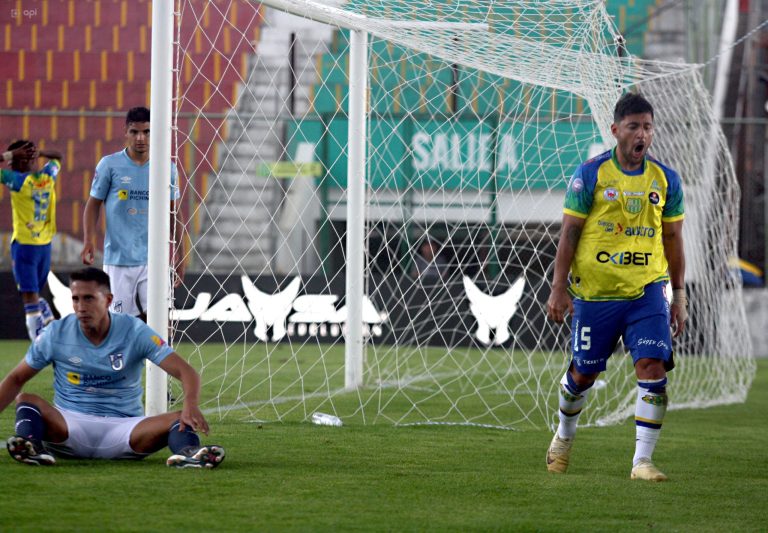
(33,201)
(98,358)
(622,240)
(121,184)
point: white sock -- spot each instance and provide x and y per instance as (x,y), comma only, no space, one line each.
(650,408)
(34,324)
(570,405)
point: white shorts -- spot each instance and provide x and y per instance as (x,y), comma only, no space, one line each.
(97,437)
(128,283)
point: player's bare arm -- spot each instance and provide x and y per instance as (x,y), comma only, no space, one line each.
(50,154)
(90,219)
(672,238)
(190,382)
(12,384)
(559,302)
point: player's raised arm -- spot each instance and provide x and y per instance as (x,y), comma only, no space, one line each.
(25,152)
(50,154)
(13,383)
(190,382)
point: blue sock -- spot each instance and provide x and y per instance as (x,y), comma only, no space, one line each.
(45,310)
(182,441)
(29,422)
(32,308)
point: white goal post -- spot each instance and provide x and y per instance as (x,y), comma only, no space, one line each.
(373,210)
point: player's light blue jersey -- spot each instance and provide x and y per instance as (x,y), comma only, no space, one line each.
(102,380)
(123,185)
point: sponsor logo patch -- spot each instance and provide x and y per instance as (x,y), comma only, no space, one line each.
(655,400)
(610,194)
(624,258)
(607,226)
(653,197)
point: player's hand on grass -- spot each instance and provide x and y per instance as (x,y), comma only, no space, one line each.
(191,416)
(559,304)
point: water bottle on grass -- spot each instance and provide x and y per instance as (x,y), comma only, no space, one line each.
(323,419)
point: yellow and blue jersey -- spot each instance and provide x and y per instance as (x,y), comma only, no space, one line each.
(33,201)
(620,250)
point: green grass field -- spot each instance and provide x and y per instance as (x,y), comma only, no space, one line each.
(294,476)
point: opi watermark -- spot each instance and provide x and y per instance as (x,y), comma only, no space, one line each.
(26,13)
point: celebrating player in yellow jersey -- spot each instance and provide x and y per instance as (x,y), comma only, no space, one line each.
(622,241)
(33,201)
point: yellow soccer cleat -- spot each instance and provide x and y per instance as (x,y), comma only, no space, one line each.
(645,470)
(558,454)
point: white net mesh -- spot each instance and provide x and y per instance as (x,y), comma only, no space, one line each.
(477,115)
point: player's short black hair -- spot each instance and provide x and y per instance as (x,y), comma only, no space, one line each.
(19,144)
(137,114)
(92,274)
(631,104)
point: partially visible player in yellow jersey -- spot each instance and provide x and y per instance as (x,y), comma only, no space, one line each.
(33,201)
(622,243)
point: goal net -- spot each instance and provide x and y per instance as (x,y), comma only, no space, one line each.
(476,115)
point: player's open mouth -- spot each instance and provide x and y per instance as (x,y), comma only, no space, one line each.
(638,149)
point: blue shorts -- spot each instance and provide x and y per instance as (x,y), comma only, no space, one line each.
(642,323)
(31,263)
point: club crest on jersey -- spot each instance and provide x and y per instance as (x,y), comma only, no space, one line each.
(634,205)
(653,197)
(117,362)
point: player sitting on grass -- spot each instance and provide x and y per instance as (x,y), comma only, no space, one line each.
(97,359)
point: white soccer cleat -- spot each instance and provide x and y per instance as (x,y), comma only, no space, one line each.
(646,471)
(558,454)
(203,457)
(25,451)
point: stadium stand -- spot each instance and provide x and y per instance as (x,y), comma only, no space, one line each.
(71,69)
